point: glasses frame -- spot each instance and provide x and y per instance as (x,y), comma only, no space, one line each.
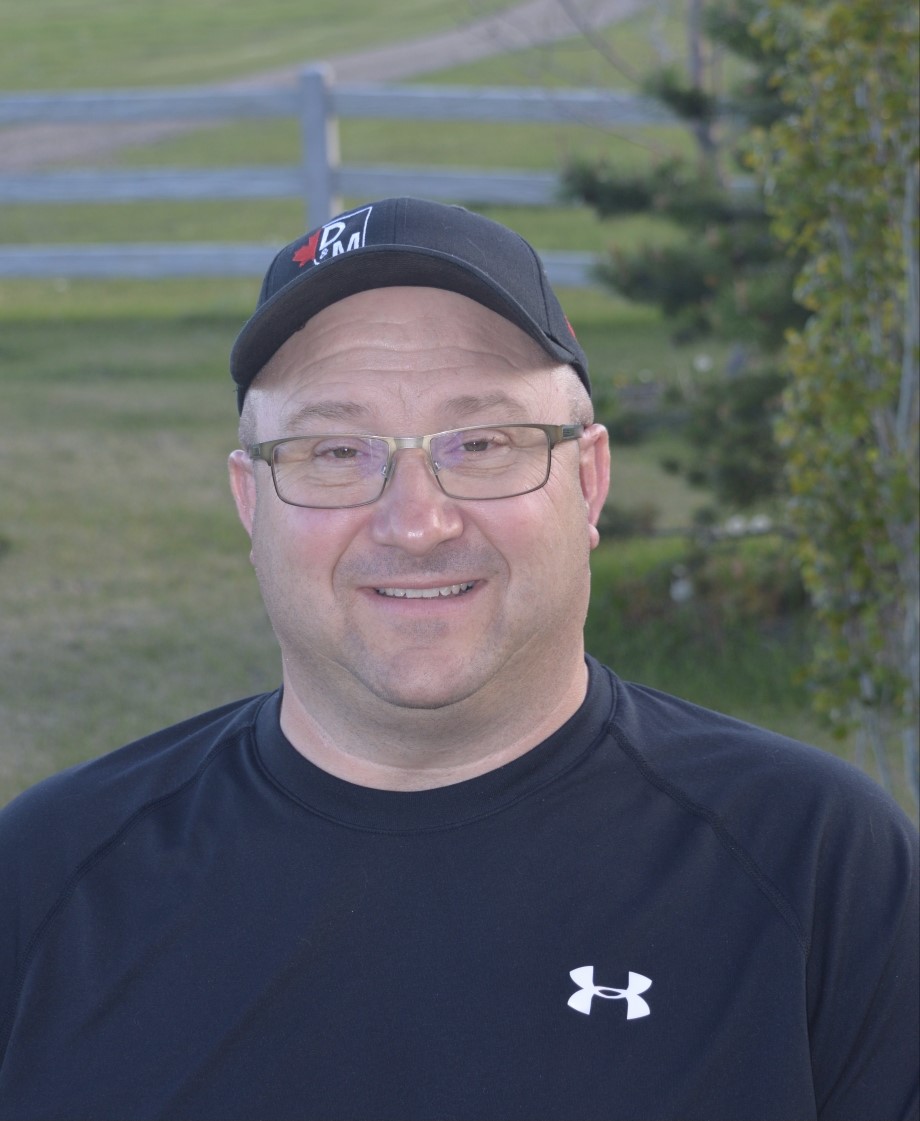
(555,434)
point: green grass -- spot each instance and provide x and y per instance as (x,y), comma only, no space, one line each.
(124,588)
(625,343)
(614,58)
(526,147)
(68,44)
(637,478)
(278,221)
(274,222)
(736,666)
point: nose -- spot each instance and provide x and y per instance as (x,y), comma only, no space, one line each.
(413,513)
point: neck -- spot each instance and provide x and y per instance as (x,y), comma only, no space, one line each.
(370,742)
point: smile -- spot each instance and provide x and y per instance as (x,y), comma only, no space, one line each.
(424,593)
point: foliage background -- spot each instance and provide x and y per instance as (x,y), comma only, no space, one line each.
(842,169)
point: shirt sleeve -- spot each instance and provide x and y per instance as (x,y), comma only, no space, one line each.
(863,981)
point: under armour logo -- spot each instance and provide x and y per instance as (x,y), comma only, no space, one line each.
(587,991)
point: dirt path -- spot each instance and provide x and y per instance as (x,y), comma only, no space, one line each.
(31,147)
(525,25)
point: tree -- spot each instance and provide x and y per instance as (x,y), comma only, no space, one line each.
(841,168)
(728,276)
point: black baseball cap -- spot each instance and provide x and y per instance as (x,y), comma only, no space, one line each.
(404,241)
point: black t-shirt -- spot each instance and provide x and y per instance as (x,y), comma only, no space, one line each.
(657,913)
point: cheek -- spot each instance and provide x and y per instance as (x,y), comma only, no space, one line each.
(568,538)
(566,512)
(544,533)
(296,548)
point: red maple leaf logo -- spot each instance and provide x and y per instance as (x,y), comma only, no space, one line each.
(307,252)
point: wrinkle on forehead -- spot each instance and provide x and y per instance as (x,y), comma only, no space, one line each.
(457,410)
(337,364)
(380,328)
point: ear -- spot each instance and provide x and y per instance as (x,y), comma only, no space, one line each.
(594,473)
(243,486)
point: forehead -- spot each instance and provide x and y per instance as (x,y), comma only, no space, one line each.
(405,352)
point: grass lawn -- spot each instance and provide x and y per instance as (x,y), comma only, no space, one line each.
(125,590)
(59,44)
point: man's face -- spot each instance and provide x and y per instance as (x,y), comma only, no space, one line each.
(401,362)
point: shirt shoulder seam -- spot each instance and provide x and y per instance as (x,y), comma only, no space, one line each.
(735,848)
(89,861)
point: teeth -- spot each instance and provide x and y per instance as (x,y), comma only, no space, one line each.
(424,593)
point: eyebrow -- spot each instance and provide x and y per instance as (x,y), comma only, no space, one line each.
(349,411)
(471,404)
(463,407)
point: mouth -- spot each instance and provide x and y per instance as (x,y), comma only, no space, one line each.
(446,592)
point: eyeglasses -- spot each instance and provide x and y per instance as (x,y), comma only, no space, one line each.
(330,472)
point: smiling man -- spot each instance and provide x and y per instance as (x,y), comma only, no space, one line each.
(431,624)
(452,867)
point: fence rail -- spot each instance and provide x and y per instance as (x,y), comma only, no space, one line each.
(320,180)
(156,260)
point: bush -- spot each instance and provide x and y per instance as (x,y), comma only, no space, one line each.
(629,428)
(739,643)
(628,521)
(731,429)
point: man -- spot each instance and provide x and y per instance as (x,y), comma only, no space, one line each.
(451,869)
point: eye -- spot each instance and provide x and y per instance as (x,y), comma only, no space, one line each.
(487,441)
(338,448)
(344,454)
(481,439)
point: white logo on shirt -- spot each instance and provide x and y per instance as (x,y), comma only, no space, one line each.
(587,991)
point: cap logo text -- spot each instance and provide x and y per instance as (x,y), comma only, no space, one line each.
(345,233)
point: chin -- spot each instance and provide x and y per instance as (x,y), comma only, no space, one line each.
(421,690)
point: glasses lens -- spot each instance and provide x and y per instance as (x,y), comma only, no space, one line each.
(330,471)
(491,462)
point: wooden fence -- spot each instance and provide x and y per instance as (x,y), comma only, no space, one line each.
(319,179)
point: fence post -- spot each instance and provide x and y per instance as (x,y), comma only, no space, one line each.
(319,131)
